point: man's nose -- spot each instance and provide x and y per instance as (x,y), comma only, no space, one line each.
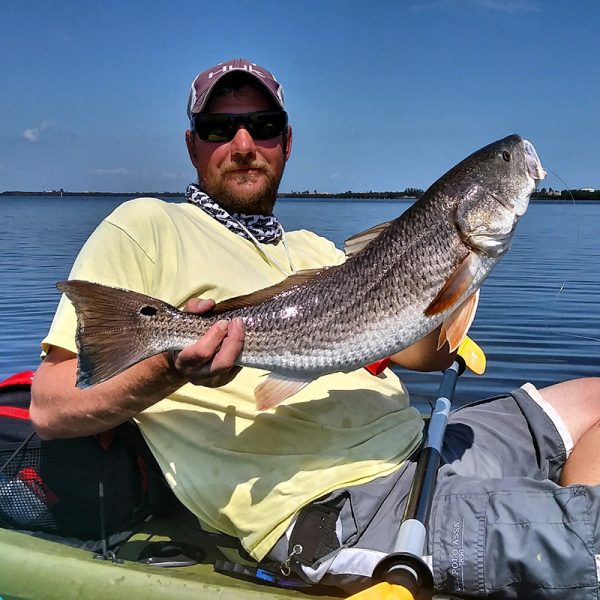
(242,144)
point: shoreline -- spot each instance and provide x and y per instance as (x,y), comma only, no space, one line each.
(565,195)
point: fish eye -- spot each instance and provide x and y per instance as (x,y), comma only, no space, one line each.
(148,311)
(506,155)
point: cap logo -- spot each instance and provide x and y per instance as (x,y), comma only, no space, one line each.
(227,68)
(203,84)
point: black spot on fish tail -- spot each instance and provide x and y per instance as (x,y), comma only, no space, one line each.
(115,329)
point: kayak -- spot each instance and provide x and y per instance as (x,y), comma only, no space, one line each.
(39,569)
(167,557)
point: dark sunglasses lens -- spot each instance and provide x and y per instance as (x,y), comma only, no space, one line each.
(263,125)
(266,125)
(214,128)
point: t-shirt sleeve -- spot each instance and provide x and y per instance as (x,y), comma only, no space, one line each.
(315,250)
(110,256)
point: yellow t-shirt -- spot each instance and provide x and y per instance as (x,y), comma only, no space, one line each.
(242,472)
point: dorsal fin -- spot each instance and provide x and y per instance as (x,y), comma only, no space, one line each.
(261,296)
(353,245)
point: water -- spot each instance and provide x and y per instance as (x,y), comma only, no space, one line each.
(538,317)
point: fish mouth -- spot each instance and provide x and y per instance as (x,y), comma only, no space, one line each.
(534,165)
(506,203)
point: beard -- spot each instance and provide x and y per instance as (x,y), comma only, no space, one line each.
(229,191)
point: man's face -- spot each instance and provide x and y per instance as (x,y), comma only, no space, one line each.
(242,175)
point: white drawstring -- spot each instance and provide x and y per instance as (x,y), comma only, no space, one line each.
(263,250)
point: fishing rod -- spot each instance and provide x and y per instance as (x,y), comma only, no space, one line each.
(403,574)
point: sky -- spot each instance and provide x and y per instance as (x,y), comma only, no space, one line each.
(382,95)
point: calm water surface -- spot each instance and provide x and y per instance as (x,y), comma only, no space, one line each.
(538,318)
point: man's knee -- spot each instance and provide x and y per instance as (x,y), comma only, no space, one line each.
(577,402)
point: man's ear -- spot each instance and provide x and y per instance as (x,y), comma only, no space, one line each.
(191,147)
(288,142)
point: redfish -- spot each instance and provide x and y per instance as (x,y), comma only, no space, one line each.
(401,280)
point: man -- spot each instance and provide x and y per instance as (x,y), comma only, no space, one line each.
(317,485)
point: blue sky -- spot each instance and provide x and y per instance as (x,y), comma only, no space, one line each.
(382,95)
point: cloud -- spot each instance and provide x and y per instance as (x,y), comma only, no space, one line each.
(175,176)
(511,6)
(507,6)
(32,134)
(116,171)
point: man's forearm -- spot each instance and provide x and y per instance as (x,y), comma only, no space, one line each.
(59,409)
(424,355)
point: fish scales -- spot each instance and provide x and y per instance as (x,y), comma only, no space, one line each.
(367,313)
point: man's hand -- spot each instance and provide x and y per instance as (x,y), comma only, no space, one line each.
(211,360)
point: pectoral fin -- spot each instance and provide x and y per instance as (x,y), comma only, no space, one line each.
(276,388)
(456,286)
(455,326)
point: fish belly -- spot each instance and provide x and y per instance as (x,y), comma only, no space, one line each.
(387,338)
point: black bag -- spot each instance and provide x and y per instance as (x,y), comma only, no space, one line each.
(87,488)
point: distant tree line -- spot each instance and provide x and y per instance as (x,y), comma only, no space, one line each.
(410,192)
(577,194)
(407,193)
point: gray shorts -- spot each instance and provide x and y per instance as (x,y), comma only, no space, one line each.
(500,526)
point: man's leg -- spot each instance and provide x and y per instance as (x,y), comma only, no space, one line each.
(578,403)
(583,465)
(515,538)
(501,527)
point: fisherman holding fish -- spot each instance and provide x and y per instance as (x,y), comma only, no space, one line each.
(258,408)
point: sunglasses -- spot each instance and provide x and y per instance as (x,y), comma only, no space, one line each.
(222,127)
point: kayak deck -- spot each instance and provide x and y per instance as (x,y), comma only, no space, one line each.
(35,568)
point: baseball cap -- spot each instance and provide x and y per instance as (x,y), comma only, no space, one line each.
(205,82)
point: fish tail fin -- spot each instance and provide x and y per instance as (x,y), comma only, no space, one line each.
(116,329)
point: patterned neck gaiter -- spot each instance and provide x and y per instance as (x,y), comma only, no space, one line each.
(265,228)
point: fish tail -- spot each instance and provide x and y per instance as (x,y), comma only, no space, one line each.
(116,329)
